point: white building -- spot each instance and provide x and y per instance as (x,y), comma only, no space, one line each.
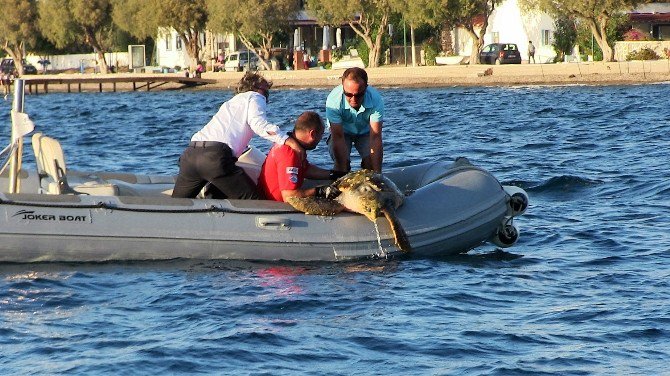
(510,24)
(171,49)
(306,36)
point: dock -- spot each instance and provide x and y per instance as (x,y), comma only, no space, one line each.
(112,82)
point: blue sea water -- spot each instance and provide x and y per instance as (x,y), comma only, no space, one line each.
(584,292)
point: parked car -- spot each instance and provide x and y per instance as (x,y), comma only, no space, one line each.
(7,65)
(238,61)
(500,53)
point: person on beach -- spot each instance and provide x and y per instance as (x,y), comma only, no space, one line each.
(220,63)
(305,60)
(213,151)
(289,59)
(531,51)
(284,171)
(4,79)
(355,113)
(199,69)
(7,81)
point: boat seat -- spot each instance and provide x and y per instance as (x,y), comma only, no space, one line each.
(143,189)
(132,178)
(52,170)
(251,161)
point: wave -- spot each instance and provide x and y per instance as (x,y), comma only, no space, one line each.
(563,184)
(546,110)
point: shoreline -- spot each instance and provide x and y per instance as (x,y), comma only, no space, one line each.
(598,73)
(587,73)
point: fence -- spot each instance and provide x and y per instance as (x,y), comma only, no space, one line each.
(78,61)
(396,55)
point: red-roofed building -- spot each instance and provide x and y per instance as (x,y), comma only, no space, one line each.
(652,18)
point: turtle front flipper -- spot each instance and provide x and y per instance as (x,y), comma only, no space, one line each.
(399,234)
(315,206)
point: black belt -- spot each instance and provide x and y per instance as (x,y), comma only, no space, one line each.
(203,144)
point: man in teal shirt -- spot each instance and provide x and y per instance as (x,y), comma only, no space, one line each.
(355,113)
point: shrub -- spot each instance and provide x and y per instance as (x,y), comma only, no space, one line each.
(643,54)
(431,49)
(565,37)
(363,51)
(636,34)
(337,54)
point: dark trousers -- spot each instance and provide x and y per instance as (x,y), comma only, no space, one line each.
(213,162)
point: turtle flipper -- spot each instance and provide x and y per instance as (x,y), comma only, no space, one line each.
(315,206)
(399,234)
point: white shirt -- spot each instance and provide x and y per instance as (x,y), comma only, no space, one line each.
(236,122)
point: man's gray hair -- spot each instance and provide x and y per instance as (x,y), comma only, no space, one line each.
(251,82)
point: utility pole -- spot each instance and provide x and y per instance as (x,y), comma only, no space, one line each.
(404,39)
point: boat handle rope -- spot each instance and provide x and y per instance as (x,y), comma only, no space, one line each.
(104,205)
(8,151)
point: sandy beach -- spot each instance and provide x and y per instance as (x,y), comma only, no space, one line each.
(464,75)
(586,73)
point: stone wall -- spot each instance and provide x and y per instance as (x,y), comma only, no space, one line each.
(623,48)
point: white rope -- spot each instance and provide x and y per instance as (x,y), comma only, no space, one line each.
(9,149)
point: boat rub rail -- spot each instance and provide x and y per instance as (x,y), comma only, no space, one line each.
(182,205)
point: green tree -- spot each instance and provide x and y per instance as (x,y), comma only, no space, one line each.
(149,18)
(17,29)
(367,18)
(616,28)
(137,17)
(596,14)
(255,22)
(471,15)
(565,36)
(417,13)
(188,18)
(67,21)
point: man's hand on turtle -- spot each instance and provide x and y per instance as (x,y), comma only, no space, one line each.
(326,191)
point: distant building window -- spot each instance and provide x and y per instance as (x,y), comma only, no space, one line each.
(178,43)
(168,43)
(545,37)
(661,32)
(496,37)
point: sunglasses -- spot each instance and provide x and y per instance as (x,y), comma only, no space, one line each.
(356,95)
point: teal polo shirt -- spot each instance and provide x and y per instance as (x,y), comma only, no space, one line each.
(354,122)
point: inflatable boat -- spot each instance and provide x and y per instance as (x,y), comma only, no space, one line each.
(55,214)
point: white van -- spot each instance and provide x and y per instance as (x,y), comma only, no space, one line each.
(237,61)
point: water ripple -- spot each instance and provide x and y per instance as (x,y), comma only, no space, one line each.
(583,292)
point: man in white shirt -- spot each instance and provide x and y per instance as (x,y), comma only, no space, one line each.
(214,149)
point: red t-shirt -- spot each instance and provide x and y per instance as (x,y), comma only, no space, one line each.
(282,170)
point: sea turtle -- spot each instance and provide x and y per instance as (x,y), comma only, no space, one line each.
(364,192)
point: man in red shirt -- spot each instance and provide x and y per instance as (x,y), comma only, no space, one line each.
(284,170)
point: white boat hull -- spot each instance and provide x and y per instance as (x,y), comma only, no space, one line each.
(452,209)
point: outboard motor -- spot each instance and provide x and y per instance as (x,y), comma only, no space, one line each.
(506,235)
(518,200)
